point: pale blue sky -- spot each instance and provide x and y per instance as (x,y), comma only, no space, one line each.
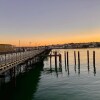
(48,17)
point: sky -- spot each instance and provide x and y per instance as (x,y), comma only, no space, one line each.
(45,22)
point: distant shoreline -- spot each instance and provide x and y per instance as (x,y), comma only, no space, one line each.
(77,48)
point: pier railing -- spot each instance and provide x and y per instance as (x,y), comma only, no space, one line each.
(7,60)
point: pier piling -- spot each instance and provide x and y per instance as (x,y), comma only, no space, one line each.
(55,59)
(50,62)
(94,62)
(78,62)
(88,59)
(75,57)
(65,57)
(60,61)
(78,58)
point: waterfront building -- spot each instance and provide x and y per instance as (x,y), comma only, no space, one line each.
(6,48)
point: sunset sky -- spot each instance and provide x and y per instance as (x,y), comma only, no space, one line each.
(43,22)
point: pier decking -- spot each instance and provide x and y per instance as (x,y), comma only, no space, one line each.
(11,60)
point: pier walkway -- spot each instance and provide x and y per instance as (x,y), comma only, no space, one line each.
(8,61)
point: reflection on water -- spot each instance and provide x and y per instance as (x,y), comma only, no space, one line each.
(23,88)
(73,81)
(67,82)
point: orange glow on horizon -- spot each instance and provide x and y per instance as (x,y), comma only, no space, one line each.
(58,41)
(54,38)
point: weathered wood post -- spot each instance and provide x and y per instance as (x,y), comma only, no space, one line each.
(94,58)
(88,59)
(60,61)
(68,62)
(75,57)
(65,57)
(55,59)
(75,61)
(50,62)
(78,58)
(94,61)
(78,62)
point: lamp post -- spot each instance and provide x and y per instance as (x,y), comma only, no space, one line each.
(29,45)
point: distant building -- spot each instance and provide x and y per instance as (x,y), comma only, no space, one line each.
(6,48)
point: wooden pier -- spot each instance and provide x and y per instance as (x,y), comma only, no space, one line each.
(14,61)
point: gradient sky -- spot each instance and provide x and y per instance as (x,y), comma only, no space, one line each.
(43,22)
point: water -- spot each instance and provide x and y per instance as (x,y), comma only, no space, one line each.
(45,84)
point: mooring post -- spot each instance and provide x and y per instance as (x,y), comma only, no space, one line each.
(75,61)
(94,58)
(65,57)
(78,62)
(50,62)
(75,57)
(67,63)
(94,61)
(78,58)
(88,59)
(60,61)
(55,59)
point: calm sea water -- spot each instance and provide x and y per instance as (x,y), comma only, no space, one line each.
(45,84)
